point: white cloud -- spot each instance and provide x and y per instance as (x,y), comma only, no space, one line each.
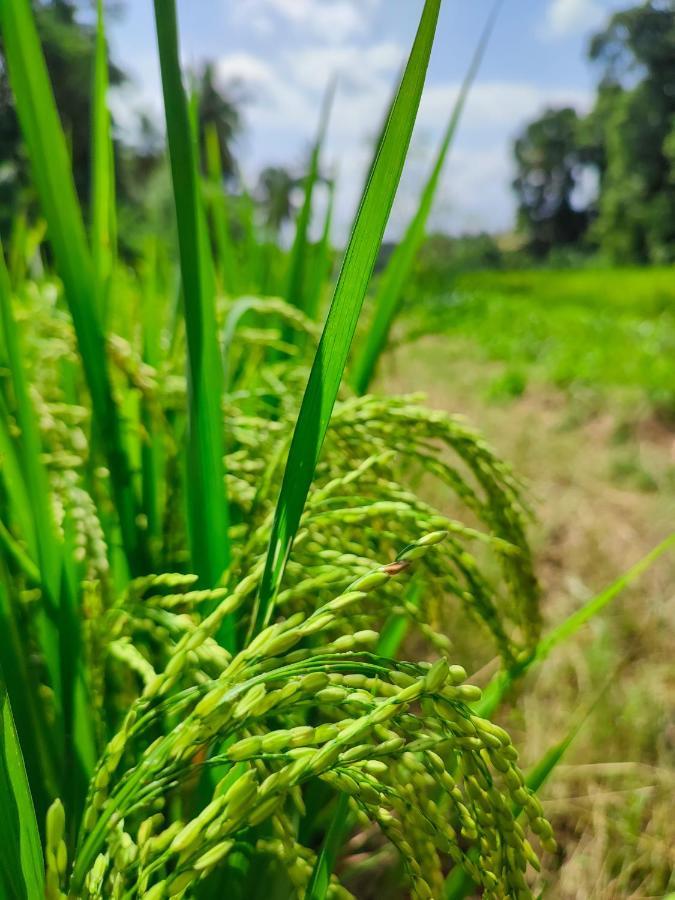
(245,67)
(330,20)
(565,17)
(356,68)
(285,99)
(497,104)
(475,190)
(272,99)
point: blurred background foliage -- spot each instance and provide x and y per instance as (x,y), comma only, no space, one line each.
(599,186)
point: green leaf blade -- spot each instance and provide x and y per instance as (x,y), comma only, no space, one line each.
(207,501)
(21,862)
(398,270)
(350,290)
(102,181)
(319,882)
(53,177)
(295,287)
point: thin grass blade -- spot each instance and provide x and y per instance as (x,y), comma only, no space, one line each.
(102,180)
(398,269)
(499,686)
(322,259)
(217,204)
(50,160)
(295,288)
(21,862)
(333,349)
(319,882)
(207,500)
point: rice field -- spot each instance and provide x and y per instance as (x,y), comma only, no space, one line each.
(597,454)
(272,623)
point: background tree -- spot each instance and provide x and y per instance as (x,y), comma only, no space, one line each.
(549,162)
(68,45)
(627,138)
(276,187)
(68,33)
(219,106)
(635,117)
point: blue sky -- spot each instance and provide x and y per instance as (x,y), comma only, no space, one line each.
(284,52)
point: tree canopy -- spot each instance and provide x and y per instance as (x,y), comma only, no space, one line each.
(68,38)
(627,139)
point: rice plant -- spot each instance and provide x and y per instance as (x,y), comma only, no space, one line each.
(213,552)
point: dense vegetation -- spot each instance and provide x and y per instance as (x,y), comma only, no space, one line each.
(602,329)
(218,549)
(626,141)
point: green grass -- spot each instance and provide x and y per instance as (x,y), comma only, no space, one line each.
(609,329)
(207,499)
(590,527)
(388,295)
(350,290)
(204,650)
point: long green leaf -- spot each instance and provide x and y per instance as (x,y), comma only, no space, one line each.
(54,180)
(325,861)
(333,349)
(21,862)
(503,680)
(296,292)
(217,204)
(153,449)
(398,269)
(102,186)
(207,500)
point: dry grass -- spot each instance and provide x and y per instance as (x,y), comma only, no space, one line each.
(600,472)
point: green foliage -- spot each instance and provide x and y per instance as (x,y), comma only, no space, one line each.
(69,48)
(296,289)
(154,649)
(217,111)
(331,355)
(361,745)
(217,713)
(102,156)
(626,140)
(397,271)
(207,500)
(608,330)
(22,869)
(54,182)
(549,163)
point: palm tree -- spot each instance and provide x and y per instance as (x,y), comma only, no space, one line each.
(275,195)
(220,108)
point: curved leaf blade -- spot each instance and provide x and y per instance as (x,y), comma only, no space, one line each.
(21,862)
(208,518)
(53,177)
(333,350)
(400,264)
